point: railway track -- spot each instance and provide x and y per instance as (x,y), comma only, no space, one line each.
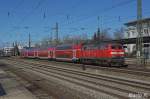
(113,86)
(128,70)
(133,61)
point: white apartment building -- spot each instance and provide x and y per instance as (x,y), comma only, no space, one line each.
(131,32)
(8,51)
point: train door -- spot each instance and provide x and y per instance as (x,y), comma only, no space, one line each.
(53,54)
(74,53)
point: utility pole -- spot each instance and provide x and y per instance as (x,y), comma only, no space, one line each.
(51,37)
(13,44)
(98,30)
(29,40)
(56,35)
(139,41)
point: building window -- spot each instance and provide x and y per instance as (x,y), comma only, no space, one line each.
(128,34)
(128,49)
(133,33)
(134,47)
(146,31)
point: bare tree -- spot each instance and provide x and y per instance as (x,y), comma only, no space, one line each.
(75,39)
(101,35)
(45,42)
(105,35)
(67,39)
(37,45)
(119,33)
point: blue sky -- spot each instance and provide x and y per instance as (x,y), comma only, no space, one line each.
(38,17)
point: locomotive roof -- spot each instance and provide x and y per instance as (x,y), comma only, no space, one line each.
(34,48)
(31,48)
(100,43)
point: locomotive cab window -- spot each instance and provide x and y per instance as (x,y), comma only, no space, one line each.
(116,47)
(84,48)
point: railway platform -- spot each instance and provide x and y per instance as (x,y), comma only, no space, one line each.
(12,89)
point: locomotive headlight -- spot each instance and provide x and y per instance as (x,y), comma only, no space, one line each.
(117,53)
(113,52)
(121,52)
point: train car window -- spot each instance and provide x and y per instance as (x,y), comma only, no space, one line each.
(90,47)
(146,45)
(113,47)
(95,47)
(84,48)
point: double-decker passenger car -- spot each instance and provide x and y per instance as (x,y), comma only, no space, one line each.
(68,52)
(41,53)
(46,53)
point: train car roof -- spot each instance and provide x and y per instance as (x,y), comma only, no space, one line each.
(31,48)
(64,45)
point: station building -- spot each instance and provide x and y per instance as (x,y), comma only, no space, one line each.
(131,32)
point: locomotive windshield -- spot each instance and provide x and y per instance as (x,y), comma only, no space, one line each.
(116,47)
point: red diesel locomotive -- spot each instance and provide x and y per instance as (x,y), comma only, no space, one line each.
(103,54)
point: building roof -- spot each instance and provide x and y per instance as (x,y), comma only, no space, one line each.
(135,21)
(146,39)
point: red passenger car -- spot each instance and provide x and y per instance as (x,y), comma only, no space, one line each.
(28,53)
(46,53)
(42,53)
(68,52)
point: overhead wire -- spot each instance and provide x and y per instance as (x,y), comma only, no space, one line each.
(104,10)
(13,10)
(88,17)
(34,8)
(39,3)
